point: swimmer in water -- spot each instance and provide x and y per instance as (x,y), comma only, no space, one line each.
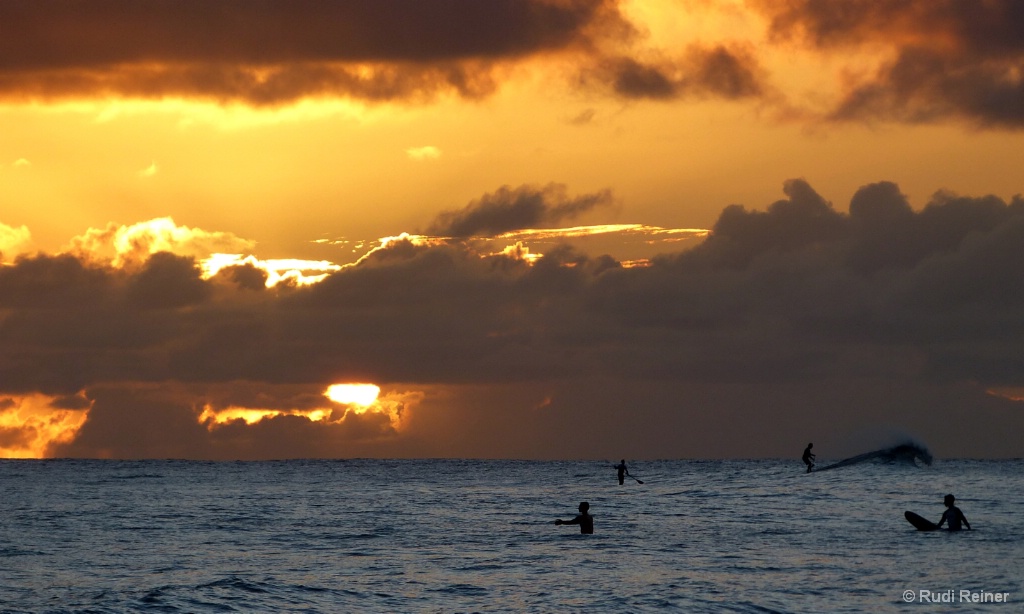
(585,520)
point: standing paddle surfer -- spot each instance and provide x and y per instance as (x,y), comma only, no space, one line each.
(808,457)
(623,472)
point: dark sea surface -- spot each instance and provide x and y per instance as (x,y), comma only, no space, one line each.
(478,536)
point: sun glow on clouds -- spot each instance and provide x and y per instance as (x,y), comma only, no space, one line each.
(662,234)
(127,245)
(130,245)
(519,252)
(278,270)
(30,425)
(13,241)
(1011,393)
(214,417)
(345,400)
(361,398)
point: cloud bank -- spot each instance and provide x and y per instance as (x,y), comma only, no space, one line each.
(279,51)
(911,61)
(785,322)
(949,59)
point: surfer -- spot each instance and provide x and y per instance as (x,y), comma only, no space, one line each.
(953,515)
(808,458)
(623,472)
(585,520)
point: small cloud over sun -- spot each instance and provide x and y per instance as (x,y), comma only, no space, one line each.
(149,171)
(428,152)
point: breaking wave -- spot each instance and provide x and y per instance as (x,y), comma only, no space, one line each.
(909,453)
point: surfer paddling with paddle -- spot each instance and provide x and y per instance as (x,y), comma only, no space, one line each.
(623,472)
(953,515)
(621,467)
(585,520)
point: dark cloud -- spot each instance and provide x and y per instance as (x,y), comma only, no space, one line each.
(244,276)
(55,34)
(799,314)
(271,86)
(953,58)
(167,281)
(77,401)
(949,59)
(278,51)
(510,209)
(703,72)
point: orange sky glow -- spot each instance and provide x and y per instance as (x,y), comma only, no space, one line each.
(527,222)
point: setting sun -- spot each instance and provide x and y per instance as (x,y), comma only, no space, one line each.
(363,395)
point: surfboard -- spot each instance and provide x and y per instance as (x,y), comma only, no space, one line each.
(921,524)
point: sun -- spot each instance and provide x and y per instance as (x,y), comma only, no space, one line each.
(363,395)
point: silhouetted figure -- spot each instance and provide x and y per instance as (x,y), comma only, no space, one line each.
(623,472)
(585,520)
(953,515)
(808,457)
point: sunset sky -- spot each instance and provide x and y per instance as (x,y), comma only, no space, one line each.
(510,228)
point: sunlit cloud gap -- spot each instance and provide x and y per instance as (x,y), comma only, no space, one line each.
(217,417)
(299,272)
(518,252)
(30,426)
(345,401)
(601,229)
(308,272)
(132,244)
(126,245)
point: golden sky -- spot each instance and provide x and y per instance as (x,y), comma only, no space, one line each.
(526,221)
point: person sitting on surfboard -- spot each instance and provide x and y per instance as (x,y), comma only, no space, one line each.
(953,515)
(808,458)
(623,472)
(585,520)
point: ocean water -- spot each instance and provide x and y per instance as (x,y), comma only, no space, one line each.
(478,536)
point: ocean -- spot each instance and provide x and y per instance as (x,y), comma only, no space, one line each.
(479,536)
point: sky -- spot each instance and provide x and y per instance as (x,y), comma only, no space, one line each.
(534,229)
